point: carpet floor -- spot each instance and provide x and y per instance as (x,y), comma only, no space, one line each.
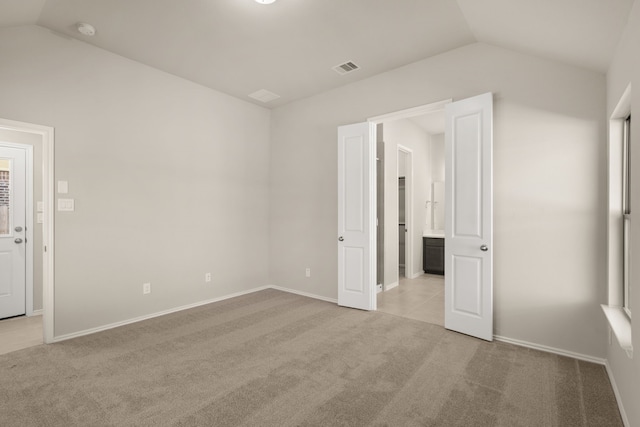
(276,359)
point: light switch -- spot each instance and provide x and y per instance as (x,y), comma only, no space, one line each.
(40,206)
(40,218)
(63,187)
(66,205)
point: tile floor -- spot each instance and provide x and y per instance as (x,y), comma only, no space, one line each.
(419,299)
(20,332)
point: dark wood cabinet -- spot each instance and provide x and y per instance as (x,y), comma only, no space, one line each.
(433,255)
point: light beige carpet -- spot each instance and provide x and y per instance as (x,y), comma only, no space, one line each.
(277,359)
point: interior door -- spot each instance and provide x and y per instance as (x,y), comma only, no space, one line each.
(468,216)
(356,210)
(12,232)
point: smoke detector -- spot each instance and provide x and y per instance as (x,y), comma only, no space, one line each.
(86,29)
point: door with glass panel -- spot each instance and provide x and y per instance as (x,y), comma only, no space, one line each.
(12,232)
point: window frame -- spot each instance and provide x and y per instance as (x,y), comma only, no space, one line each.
(619,244)
(626,215)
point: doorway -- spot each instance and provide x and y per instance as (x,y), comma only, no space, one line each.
(468,213)
(16,229)
(36,236)
(414,145)
(405,213)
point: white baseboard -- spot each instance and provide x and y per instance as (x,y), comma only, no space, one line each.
(35,313)
(391,286)
(304,294)
(152,315)
(553,350)
(616,392)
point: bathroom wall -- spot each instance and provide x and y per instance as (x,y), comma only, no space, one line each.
(435,207)
(407,134)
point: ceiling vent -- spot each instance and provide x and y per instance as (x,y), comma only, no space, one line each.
(264,95)
(345,68)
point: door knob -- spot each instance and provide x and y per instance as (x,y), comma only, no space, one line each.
(484,248)
(341,239)
(18,229)
(18,240)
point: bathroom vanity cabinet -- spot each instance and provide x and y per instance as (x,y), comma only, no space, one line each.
(433,255)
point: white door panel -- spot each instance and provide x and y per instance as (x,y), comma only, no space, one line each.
(468,216)
(356,248)
(12,232)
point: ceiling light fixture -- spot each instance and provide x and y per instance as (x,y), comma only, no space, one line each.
(265,1)
(86,29)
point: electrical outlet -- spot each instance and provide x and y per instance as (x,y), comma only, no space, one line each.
(207,277)
(307,272)
(146,288)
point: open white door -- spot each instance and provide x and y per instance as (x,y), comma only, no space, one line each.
(468,217)
(356,210)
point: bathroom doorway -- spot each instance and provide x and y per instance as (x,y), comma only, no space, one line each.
(410,154)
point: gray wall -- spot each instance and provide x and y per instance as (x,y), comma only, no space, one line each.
(170,179)
(549,171)
(625,70)
(36,142)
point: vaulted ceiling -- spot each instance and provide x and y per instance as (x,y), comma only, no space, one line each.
(289,47)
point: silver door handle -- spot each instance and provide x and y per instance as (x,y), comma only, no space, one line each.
(484,248)
(18,229)
(341,239)
(18,240)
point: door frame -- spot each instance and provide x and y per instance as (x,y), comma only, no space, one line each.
(28,280)
(434,107)
(46,134)
(408,210)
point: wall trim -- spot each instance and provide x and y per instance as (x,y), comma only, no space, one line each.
(547,349)
(411,112)
(35,313)
(391,286)
(616,392)
(304,294)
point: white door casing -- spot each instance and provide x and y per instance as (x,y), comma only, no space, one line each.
(13,237)
(468,216)
(46,136)
(356,213)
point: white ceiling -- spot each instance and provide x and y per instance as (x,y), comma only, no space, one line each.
(289,47)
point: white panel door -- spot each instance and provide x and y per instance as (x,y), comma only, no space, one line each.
(12,232)
(468,216)
(356,207)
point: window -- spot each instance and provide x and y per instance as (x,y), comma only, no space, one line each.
(5,193)
(619,244)
(626,215)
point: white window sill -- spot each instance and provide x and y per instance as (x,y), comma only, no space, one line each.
(621,326)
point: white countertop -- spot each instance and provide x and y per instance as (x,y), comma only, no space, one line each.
(433,233)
